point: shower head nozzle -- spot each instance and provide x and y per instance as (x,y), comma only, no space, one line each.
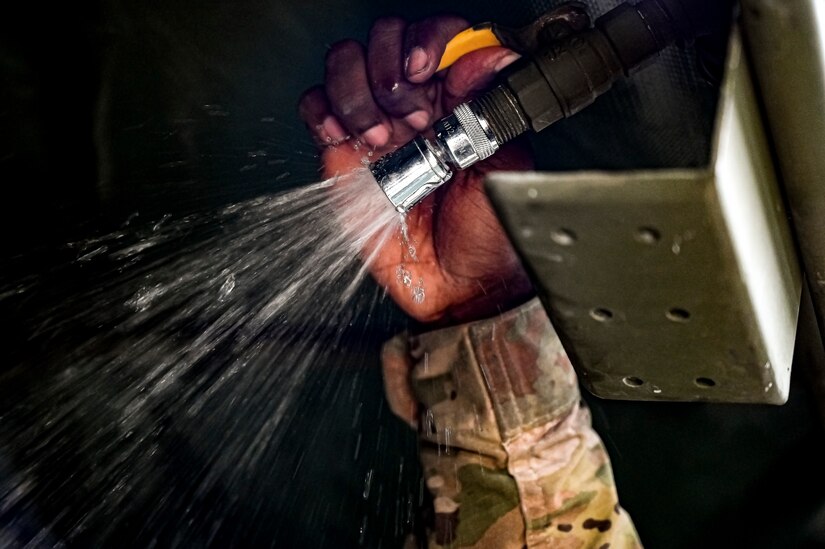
(464,137)
(411,172)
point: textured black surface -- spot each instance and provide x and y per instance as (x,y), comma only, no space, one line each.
(119,106)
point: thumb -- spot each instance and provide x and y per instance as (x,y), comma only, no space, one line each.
(474,73)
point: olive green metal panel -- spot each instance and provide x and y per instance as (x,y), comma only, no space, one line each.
(787,43)
(668,285)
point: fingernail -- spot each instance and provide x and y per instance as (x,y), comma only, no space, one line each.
(506,60)
(334,129)
(377,136)
(419,120)
(417,61)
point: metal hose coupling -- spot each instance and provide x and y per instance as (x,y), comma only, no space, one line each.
(565,75)
(472,132)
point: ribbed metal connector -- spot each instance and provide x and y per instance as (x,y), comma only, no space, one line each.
(476,130)
(502,112)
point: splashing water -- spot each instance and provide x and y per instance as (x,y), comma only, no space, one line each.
(174,333)
(408,253)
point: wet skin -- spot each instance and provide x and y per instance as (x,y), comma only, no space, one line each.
(382,95)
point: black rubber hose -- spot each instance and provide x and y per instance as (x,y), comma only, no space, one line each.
(569,75)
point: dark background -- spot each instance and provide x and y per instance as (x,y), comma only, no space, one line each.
(117,107)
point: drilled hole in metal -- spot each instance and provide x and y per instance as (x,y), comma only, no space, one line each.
(633,381)
(647,235)
(563,237)
(678,315)
(601,315)
(704,382)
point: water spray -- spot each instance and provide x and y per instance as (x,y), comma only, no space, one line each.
(568,63)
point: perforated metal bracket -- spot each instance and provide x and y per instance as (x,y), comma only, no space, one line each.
(668,285)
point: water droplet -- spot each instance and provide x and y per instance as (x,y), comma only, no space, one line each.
(161,222)
(418,294)
(403,276)
(367,484)
(429,422)
(88,256)
(677,245)
(563,237)
(362,531)
(144,298)
(227,287)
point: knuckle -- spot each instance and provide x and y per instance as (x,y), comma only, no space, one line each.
(354,106)
(350,104)
(447,21)
(310,98)
(389,21)
(437,28)
(388,24)
(391,96)
(343,51)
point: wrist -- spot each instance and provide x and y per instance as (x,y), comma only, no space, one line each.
(490,301)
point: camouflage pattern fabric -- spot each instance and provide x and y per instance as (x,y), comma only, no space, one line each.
(507,448)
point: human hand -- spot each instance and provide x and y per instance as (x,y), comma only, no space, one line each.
(383,95)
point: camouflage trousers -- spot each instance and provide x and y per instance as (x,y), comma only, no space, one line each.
(508,451)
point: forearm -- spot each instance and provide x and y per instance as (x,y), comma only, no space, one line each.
(507,450)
